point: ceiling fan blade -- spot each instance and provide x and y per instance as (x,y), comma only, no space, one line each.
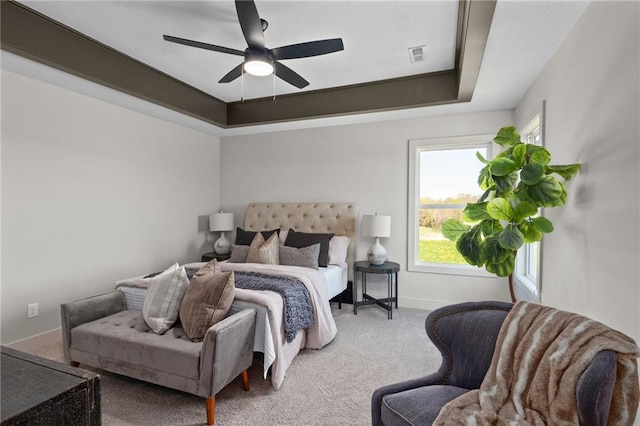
(290,76)
(250,24)
(203,45)
(232,75)
(305,50)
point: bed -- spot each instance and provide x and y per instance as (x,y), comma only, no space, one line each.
(322,284)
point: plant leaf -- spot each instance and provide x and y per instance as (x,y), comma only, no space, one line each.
(453,229)
(563,196)
(504,268)
(538,154)
(502,166)
(566,171)
(485,194)
(504,184)
(490,227)
(506,153)
(484,178)
(548,192)
(470,247)
(531,173)
(523,210)
(511,238)
(530,232)
(542,224)
(481,158)
(519,153)
(476,211)
(493,251)
(500,209)
(507,136)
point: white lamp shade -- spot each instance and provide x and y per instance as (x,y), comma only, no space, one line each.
(221,222)
(376,225)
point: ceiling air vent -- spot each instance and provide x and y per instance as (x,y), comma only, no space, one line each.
(417,54)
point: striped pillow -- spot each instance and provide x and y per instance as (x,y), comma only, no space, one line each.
(161,307)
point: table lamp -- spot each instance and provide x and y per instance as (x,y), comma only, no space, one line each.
(377,226)
(221,222)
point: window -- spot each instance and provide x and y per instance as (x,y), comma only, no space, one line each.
(526,274)
(443,175)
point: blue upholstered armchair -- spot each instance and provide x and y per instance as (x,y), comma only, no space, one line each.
(466,335)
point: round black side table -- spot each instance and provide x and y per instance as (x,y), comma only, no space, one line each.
(391,270)
(213,255)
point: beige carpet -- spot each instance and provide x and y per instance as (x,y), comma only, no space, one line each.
(332,386)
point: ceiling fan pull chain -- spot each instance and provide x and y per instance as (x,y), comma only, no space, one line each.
(274,85)
(242,85)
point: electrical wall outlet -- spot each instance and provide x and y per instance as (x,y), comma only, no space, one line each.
(32,310)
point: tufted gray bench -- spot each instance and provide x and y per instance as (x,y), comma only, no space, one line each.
(98,331)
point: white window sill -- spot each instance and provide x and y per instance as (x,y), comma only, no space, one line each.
(464,270)
(525,289)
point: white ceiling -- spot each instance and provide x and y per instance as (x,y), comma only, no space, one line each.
(376,35)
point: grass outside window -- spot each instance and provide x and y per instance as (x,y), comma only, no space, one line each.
(434,248)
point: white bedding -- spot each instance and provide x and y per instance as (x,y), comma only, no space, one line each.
(337,277)
(323,331)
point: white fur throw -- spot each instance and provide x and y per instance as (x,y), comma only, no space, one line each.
(540,354)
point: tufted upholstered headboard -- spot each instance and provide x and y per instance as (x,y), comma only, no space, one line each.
(337,218)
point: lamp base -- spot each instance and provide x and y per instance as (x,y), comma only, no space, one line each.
(222,245)
(377,254)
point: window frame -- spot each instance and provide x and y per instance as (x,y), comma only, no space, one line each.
(526,286)
(417,146)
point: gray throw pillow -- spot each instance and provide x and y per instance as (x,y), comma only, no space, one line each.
(162,304)
(207,301)
(239,254)
(305,239)
(305,256)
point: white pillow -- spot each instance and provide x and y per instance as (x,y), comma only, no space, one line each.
(162,305)
(338,247)
(283,235)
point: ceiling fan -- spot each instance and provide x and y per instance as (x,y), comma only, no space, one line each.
(258,59)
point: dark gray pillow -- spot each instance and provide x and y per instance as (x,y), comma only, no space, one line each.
(304,239)
(239,254)
(305,256)
(244,238)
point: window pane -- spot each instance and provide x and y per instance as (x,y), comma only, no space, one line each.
(446,177)
(450,176)
(434,248)
(532,260)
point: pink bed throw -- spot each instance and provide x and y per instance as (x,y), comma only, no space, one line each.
(532,378)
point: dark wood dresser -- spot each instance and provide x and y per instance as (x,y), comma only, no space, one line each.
(38,391)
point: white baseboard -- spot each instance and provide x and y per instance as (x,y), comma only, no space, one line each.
(418,303)
(38,341)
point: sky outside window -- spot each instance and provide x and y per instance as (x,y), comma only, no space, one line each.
(449,173)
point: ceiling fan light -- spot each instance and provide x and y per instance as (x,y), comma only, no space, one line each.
(258,68)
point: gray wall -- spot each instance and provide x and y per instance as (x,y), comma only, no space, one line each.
(92,193)
(590,263)
(366,164)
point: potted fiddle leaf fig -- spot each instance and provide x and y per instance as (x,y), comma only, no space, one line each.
(516,183)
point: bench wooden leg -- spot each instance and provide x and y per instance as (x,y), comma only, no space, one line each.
(211,410)
(245,380)
(74,363)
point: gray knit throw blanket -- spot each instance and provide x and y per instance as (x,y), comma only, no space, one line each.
(298,312)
